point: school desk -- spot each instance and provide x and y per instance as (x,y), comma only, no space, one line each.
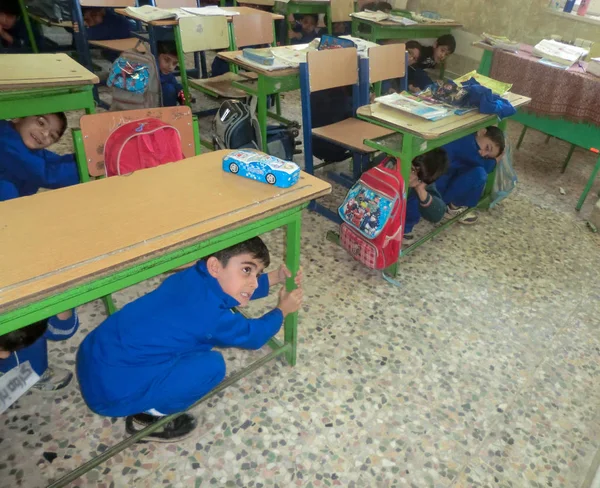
(304,7)
(174,23)
(34,84)
(386,29)
(415,135)
(49,265)
(267,83)
(577,122)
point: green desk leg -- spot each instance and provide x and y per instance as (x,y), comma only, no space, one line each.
(485,65)
(181,61)
(588,185)
(329,22)
(27,21)
(261,110)
(292,261)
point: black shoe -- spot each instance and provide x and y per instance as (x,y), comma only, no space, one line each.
(174,430)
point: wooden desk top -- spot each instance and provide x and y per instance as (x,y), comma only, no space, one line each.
(28,71)
(231,57)
(58,239)
(241,10)
(426,129)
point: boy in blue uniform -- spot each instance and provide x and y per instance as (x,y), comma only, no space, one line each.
(472,159)
(25,165)
(429,58)
(29,344)
(172,91)
(305,29)
(154,356)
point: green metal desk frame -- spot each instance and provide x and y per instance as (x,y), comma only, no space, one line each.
(78,295)
(36,101)
(583,135)
(407,146)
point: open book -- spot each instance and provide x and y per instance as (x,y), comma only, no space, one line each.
(412,104)
(558,52)
(497,87)
(149,14)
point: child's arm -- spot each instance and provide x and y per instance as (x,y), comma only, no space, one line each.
(431,206)
(265,281)
(235,330)
(59,171)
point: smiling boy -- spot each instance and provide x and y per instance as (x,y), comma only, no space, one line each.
(154,357)
(26,165)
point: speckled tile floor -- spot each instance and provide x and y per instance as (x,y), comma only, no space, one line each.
(481,370)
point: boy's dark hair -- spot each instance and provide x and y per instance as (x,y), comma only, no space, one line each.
(315,17)
(91,9)
(63,120)
(255,247)
(496,135)
(23,337)
(378,6)
(166,47)
(448,41)
(413,45)
(431,165)
(10,7)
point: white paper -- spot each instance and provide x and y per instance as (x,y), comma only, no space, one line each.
(210,10)
(15,383)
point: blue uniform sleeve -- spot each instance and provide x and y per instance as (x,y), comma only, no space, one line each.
(464,152)
(59,330)
(8,191)
(60,170)
(234,330)
(263,287)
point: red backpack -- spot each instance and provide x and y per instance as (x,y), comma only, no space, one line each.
(373,216)
(141,144)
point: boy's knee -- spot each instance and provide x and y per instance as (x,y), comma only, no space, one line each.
(478,175)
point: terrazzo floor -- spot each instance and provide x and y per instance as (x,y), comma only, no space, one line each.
(480,370)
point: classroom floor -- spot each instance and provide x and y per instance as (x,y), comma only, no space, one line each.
(480,370)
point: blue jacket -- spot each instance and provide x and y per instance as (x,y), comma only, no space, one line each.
(464,153)
(306,38)
(418,77)
(23,171)
(170,88)
(188,313)
(113,26)
(37,353)
(486,101)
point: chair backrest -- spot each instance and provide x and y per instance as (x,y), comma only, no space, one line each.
(175,3)
(387,62)
(254,29)
(199,33)
(95,129)
(107,3)
(341,10)
(332,68)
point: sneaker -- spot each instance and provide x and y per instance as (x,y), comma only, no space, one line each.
(469,218)
(408,238)
(174,430)
(54,379)
(453,212)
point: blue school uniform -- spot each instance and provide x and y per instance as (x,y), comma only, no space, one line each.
(467,175)
(37,353)
(24,171)
(156,352)
(306,38)
(113,26)
(418,77)
(170,89)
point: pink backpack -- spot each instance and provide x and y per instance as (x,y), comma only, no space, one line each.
(141,144)
(373,216)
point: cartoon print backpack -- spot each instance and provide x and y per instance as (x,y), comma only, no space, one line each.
(141,144)
(373,216)
(134,80)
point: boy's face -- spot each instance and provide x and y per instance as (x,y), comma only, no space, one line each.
(487,148)
(308,24)
(7,21)
(413,55)
(167,63)
(440,53)
(93,16)
(239,279)
(39,131)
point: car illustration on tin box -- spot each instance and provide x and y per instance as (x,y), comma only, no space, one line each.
(262,167)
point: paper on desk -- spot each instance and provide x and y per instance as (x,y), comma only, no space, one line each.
(209,11)
(277,64)
(402,20)
(148,13)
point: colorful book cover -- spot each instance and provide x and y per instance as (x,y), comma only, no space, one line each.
(497,87)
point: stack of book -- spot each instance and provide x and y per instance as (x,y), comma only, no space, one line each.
(559,53)
(594,66)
